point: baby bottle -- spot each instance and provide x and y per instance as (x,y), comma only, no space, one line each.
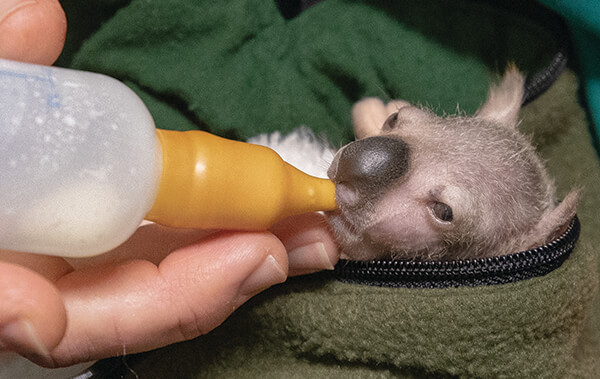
(81,164)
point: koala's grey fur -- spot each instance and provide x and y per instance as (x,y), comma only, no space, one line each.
(418,186)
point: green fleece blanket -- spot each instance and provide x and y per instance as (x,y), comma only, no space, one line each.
(238,68)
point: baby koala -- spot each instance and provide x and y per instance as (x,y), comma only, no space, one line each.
(418,186)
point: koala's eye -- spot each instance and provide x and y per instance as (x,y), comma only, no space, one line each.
(442,212)
(391,121)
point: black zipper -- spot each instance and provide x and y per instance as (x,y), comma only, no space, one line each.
(537,84)
(542,80)
(473,272)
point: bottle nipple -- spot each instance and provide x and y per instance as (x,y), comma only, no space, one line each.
(210,182)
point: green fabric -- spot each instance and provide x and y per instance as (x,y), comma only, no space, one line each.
(237,68)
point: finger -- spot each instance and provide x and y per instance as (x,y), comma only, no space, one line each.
(50,267)
(150,242)
(32,30)
(137,306)
(310,244)
(32,314)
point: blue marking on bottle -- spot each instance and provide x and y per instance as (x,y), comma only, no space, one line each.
(53,98)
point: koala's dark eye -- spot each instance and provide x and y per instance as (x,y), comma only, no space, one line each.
(390,123)
(442,211)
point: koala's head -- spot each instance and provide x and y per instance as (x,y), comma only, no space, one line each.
(418,186)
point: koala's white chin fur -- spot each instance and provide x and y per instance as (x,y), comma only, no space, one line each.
(301,148)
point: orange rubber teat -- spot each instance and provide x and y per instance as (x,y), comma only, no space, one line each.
(209,182)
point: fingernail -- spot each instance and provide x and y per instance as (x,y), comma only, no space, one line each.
(269,273)
(310,257)
(21,337)
(7,7)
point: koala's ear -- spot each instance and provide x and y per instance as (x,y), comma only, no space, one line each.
(504,99)
(368,116)
(554,222)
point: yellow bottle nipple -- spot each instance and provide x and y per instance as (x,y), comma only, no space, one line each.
(209,182)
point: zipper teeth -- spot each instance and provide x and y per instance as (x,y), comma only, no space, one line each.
(543,80)
(483,271)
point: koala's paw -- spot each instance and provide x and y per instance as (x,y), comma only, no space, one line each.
(395,105)
(368,115)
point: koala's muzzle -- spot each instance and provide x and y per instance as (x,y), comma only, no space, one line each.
(370,165)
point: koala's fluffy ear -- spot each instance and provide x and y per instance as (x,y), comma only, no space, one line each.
(505,99)
(554,222)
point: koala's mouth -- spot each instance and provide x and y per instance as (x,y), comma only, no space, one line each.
(342,224)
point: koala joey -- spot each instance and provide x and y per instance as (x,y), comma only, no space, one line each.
(418,186)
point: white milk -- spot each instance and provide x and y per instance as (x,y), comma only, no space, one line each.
(79,160)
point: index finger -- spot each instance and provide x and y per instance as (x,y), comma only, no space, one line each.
(137,306)
(309,241)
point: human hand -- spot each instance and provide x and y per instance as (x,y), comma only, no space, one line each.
(32,30)
(162,286)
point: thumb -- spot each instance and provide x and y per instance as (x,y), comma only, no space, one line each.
(32,30)
(32,314)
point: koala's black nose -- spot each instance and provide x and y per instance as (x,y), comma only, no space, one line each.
(372,164)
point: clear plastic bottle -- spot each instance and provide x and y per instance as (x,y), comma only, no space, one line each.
(81,166)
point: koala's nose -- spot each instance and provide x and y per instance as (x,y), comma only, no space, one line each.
(371,164)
